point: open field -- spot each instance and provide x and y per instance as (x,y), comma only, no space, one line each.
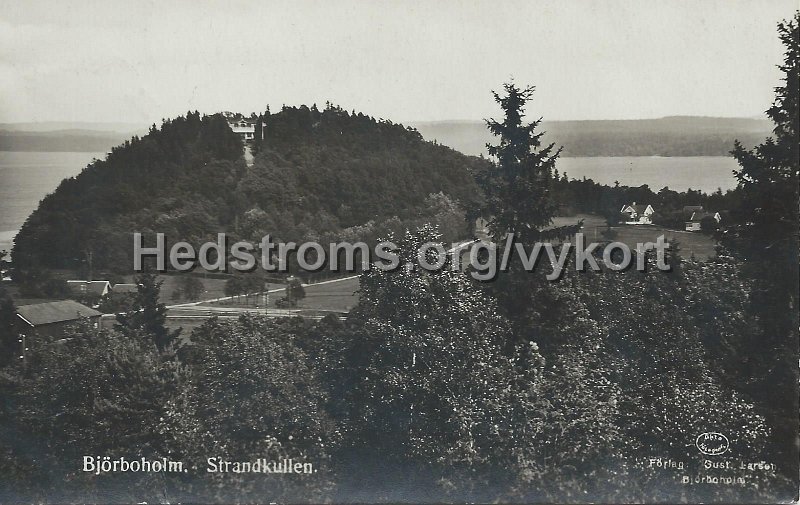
(690,243)
(212,288)
(335,295)
(338,295)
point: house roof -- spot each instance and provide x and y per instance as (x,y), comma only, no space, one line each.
(97,287)
(700,215)
(125,288)
(636,207)
(40,314)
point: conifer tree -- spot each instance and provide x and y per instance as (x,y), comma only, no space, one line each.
(767,229)
(519,183)
(147,314)
(765,236)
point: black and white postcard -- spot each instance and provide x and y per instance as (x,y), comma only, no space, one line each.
(413,252)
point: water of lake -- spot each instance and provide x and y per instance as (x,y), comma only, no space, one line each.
(26,177)
(706,173)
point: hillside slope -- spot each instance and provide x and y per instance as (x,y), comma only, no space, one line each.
(318,173)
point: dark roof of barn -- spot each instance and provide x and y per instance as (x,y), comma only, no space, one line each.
(40,314)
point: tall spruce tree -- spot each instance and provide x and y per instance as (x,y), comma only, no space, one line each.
(518,185)
(765,237)
(766,234)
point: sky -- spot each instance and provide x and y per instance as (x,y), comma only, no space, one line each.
(138,62)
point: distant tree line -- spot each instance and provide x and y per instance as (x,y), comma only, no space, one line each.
(586,196)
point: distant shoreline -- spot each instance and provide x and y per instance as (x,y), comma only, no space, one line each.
(562,156)
(668,137)
(7,240)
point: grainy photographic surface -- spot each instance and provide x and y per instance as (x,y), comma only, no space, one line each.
(399,252)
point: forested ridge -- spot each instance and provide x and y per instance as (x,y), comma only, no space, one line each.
(316,173)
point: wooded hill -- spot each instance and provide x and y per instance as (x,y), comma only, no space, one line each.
(317,173)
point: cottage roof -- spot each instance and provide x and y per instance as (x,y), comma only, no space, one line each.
(636,207)
(700,215)
(96,287)
(125,288)
(39,314)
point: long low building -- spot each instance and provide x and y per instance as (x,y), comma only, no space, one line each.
(52,317)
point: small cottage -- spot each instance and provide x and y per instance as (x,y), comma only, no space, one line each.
(694,223)
(637,213)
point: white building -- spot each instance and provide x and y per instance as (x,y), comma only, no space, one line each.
(638,214)
(695,220)
(244,128)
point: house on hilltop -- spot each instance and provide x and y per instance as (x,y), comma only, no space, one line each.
(243,127)
(637,213)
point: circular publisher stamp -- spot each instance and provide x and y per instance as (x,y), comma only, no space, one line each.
(712,443)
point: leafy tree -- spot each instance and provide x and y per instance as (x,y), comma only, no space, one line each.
(295,290)
(147,315)
(42,284)
(252,395)
(662,344)
(191,287)
(233,286)
(8,337)
(447,215)
(4,264)
(437,400)
(117,303)
(95,392)
(708,225)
